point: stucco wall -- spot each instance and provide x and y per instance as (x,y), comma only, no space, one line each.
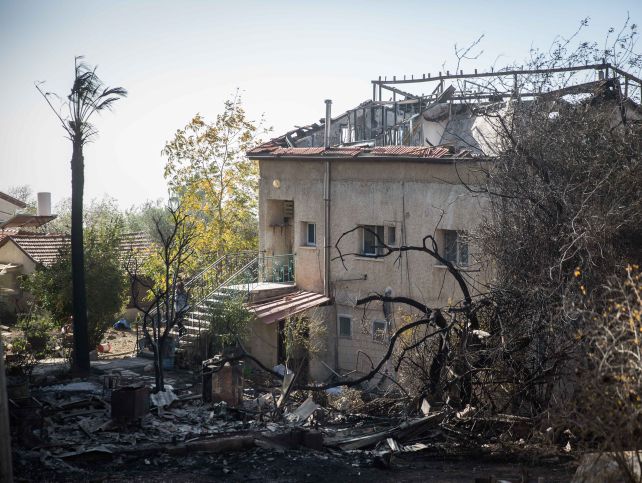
(263,342)
(417,198)
(10,253)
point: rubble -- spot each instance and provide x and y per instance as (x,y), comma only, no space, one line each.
(107,419)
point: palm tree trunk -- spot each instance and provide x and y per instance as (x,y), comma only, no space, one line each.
(81,335)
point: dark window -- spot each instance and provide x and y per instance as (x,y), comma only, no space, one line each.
(455,248)
(345,326)
(311,231)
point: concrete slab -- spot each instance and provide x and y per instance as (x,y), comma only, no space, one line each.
(130,364)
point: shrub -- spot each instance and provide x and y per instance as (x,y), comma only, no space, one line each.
(51,286)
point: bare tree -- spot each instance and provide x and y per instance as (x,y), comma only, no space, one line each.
(154,283)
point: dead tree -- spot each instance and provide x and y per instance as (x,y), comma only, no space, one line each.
(154,280)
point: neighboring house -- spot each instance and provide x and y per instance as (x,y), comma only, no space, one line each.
(397,169)
(9,206)
(22,251)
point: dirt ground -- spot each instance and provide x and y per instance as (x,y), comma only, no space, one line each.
(122,342)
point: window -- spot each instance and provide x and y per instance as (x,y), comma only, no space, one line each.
(379,330)
(392,236)
(371,244)
(455,248)
(345,326)
(310,234)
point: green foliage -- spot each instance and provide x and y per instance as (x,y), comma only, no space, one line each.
(20,358)
(100,211)
(25,194)
(142,218)
(106,284)
(207,168)
(230,320)
(305,335)
(39,333)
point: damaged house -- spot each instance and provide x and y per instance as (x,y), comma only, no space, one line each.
(335,194)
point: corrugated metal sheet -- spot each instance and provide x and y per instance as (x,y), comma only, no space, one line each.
(287,305)
(412,151)
(426,152)
(298,151)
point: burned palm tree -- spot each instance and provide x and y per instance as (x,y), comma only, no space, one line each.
(88,95)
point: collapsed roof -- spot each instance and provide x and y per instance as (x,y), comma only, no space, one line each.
(450,123)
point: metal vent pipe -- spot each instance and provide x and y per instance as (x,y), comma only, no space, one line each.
(326,201)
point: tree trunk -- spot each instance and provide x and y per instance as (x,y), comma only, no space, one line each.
(81,334)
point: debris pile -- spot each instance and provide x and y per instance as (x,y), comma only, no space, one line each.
(117,419)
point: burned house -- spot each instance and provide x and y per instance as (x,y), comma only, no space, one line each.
(336,194)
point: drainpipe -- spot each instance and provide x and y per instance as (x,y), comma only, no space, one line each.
(326,201)
(326,221)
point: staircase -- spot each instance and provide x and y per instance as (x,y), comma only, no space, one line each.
(244,274)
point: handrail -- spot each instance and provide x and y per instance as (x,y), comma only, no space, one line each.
(230,258)
(223,284)
(216,262)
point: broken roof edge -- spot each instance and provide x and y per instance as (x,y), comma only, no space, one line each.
(436,154)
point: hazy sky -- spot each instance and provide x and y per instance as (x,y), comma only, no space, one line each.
(177,58)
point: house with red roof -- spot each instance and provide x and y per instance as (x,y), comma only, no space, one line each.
(22,251)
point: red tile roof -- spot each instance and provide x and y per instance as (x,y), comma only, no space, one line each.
(42,249)
(287,305)
(45,248)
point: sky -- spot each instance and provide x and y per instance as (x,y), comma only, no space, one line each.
(179,58)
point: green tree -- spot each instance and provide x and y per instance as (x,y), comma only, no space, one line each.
(88,96)
(25,194)
(207,168)
(51,286)
(143,217)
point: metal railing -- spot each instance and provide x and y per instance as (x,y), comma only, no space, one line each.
(208,280)
(214,275)
(261,270)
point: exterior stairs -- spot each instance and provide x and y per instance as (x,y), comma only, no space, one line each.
(249,275)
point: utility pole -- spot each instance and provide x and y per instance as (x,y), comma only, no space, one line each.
(6,473)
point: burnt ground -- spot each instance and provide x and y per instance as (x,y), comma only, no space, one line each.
(291,465)
(81,427)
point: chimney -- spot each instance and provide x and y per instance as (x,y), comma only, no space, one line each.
(328,117)
(44,204)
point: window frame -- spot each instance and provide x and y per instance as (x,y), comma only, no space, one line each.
(391,229)
(369,230)
(455,254)
(309,224)
(349,318)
